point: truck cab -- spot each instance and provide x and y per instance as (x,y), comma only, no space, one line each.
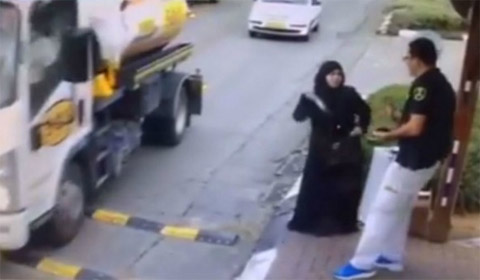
(67,123)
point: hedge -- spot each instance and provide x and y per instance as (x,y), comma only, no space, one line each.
(425,14)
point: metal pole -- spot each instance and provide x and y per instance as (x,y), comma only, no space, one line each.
(440,223)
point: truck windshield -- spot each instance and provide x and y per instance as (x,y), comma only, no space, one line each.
(9,41)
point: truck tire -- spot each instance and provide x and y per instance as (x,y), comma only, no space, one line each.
(175,127)
(69,212)
(169,130)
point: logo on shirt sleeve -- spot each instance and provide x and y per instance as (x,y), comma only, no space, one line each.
(419,93)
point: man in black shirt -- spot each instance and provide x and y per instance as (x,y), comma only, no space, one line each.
(425,138)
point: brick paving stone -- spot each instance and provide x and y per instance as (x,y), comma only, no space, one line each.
(305,258)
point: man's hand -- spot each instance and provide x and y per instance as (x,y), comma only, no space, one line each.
(413,128)
(382,135)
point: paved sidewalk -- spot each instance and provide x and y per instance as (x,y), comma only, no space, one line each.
(302,257)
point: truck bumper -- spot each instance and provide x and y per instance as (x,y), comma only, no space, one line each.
(14,230)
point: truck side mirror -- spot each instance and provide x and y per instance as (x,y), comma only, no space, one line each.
(80,55)
(316,2)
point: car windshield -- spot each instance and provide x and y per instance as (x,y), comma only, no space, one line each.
(9,32)
(295,2)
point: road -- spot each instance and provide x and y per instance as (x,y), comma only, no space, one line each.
(219,177)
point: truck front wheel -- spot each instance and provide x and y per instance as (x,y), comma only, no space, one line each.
(68,214)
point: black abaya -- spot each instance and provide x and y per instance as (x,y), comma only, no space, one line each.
(329,195)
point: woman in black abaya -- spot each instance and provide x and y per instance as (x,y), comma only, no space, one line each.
(331,189)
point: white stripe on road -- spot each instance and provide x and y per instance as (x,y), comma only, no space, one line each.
(259,266)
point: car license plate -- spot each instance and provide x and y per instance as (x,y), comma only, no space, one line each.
(276,25)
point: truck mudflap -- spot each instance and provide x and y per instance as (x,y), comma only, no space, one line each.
(195,93)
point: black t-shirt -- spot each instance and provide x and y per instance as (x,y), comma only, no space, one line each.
(430,95)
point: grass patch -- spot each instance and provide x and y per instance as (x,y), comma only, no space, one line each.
(379,101)
(425,14)
(396,95)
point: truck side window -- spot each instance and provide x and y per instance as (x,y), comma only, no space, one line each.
(49,20)
(9,41)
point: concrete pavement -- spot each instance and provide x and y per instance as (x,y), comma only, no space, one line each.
(281,255)
(303,257)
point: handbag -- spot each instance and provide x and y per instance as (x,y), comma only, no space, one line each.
(347,150)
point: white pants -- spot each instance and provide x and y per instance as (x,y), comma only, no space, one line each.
(387,225)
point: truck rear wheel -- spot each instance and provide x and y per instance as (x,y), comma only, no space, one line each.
(169,130)
(68,214)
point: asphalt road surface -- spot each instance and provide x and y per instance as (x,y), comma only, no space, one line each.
(218,178)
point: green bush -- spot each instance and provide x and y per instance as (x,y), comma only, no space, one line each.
(391,95)
(471,176)
(396,95)
(425,14)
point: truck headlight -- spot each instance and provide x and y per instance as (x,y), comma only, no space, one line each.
(9,198)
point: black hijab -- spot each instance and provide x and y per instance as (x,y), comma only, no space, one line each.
(328,94)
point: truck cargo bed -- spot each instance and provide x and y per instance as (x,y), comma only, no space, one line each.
(137,69)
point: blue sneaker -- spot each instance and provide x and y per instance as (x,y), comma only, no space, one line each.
(349,272)
(385,263)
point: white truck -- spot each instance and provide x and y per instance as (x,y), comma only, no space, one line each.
(83,83)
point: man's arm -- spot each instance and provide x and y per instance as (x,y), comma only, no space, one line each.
(419,104)
(413,128)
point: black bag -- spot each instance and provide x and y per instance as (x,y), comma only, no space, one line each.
(347,150)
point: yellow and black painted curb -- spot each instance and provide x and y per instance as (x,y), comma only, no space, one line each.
(187,233)
(60,269)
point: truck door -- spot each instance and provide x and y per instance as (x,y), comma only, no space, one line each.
(56,108)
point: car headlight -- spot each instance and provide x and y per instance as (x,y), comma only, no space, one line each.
(9,193)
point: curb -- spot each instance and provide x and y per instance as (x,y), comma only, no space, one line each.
(53,267)
(453,36)
(179,232)
(386,29)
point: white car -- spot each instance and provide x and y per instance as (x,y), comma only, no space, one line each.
(295,18)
